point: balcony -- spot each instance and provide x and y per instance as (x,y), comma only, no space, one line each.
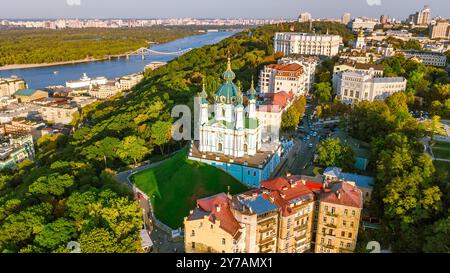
(302,227)
(300,237)
(330,225)
(266,229)
(331,214)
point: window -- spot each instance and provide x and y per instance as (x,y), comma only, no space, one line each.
(324,219)
(351,224)
(349,245)
(322,240)
(341,244)
(344,223)
(212,226)
(353,212)
(193,233)
(349,235)
(223,241)
(342,233)
(193,245)
(346,212)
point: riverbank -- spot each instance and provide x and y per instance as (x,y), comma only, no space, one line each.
(25,66)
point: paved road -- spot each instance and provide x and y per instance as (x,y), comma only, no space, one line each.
(302,162)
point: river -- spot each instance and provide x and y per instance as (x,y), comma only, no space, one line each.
(41,77)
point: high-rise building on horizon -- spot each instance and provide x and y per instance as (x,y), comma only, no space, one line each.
(420,18)
(440,30)
(305,17)
(346,18)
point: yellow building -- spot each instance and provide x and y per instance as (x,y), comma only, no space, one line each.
(211,227)
(29,95)
(338,211)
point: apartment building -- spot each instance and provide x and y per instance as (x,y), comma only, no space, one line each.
(427,57)
(130,81)
(58,112)
(277,218)
(307,44)
(8,86)
(22,126)
(309,64)
(110,89)
(440,30)
(354,86)
(270,111)
(212,227)
(15,149)
(288,77)
(338,213)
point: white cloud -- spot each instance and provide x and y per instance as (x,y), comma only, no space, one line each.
(374,2)
(73,2)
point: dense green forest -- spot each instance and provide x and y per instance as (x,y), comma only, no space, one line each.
(32,46)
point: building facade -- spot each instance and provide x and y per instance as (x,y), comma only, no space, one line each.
(427,57)
(353,87)
(338,215)
(288,77)
(14,150)
(307,44)
(8,86)
(309,64)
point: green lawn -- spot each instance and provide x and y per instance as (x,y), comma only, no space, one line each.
(176,184)
(441,150)
(442,166)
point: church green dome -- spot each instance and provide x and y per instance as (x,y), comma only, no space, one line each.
(228,92)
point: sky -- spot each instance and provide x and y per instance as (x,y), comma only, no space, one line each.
(40,9)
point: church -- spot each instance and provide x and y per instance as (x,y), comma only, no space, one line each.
(230,138)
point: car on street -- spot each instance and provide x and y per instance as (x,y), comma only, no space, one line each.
(310,145)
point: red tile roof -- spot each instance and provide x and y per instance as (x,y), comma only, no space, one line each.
(342,193)
(282,190)
(218,207)
(287,67)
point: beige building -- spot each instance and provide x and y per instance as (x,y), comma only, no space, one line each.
(307,44)
(440,30)
(21,126)
(338,214)
(212,227)
(130,81)
(8,86)
(105,91)
(288,77)
(58,113)
(279,217)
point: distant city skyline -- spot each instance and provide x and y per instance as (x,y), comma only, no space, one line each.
(259,9)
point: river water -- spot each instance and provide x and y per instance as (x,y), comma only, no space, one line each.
(41,77)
